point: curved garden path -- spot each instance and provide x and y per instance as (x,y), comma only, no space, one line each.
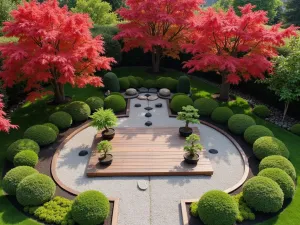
(160,203)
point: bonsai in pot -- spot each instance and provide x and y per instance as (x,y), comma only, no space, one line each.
(192,147)
(105,147)
(104,119)
(190,115)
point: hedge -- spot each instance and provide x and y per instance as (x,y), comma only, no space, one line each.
(111,82)
(238,123)
(256,131)
(112,47)
(267,146)
(262,111)
(263,194)
(278,161)
(80,111)
(179,101)
(61,119)
(26,158)
(13,177)
(115,102)
(95,103)
(205,106)
(90,208)
(21,145)
(35,190)
(221,114)
(184,85)
(53,127)
(43,135)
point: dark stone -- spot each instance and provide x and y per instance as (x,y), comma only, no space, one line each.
(148,108)
(148,114)
(148,123)
(158,105)
(83,153)
(147,95)
(213,151)
(137,105)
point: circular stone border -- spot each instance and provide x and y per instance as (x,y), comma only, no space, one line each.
(87,124)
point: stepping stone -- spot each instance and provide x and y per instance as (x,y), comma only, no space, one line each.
(148,114)
(143,185)
(158,105)
(148,108)
(148,123)
(142,97)
(152,90)
(137,105)
(143,90)
(83,153)
(147,95)
(152,97)
(213,151)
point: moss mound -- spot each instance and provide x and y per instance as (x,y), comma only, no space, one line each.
(21,145)
(221,114)
(256,131)
(205,106)
(26,158)
(238,123)
(53,127)
(80,111)
(61,119)
(95,103)
(43,135)
(179,101)
(115,102)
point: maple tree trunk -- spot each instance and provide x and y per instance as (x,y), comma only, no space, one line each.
(225,86)
(59,92)
(286,107)
(156,60)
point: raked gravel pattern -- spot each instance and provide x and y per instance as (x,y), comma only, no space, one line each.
(160,203)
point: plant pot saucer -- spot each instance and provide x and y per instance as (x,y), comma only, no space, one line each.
(106,160)
(191,159)
(108,135)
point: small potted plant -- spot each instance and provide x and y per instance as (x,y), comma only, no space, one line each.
(104,119)
(105,147)
(190,115)
(192,147)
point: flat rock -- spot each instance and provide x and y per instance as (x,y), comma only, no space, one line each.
(148,123)
(158,105)
(143,185)
(142,97)
(164,92)
(152,97)
(143,90)
(137,105)
(148,114)
(148,108)
(131,92)
(83,153)
(152,90)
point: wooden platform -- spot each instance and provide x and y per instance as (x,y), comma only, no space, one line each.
(147,152)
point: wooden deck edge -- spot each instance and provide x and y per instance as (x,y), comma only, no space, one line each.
(183,202)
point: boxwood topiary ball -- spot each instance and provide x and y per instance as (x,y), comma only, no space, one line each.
(285,182)
(43,135)
(13,177)
(35,190)
(115,102)
(256,131)
(221,114)
(150,84)
(95,103)
(217,208)
(295,129)
(171,84)
(26,158)
(184,85)
(80,111)
(61,119)
(205,106)
(53,127)
(261,111)
(266,146)
(124,83)
(134,83)
(278,161)
(90,208)
(238,123)
(162,82)
(179,101)
(263,194)
(20,145)
(111,82)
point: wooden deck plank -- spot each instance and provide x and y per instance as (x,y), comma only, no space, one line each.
(147,152)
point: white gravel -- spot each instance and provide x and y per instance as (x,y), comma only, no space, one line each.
(160,203)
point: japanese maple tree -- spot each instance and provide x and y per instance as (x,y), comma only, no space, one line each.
(159,26)
(55,46)
(237,47)
(5,124)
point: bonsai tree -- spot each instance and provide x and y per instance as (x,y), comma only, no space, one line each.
(190,115)
(192,147)
(104,147)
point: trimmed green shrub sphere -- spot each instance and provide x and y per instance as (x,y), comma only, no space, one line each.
(35,190)
(217,208)
(80,111)
(140,80)
(61,119)
(26,158)
(221,114)
(295,129)
(124,83)
(278,161)
(111,82)
(20,145)
(176,94)
(266,146)
(134,83)
(263,194)
(43,135)
(256,131)
(184,85)
(179,101)
(162,82)
(90,208)
(117,93)
(13,177)
(285,182)
(238,123)
(53,127)
(261,111)
(171,84)
(115,102)
(149,84)
(95,103)
(205,106)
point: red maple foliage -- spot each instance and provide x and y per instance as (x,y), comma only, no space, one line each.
(237,47)
(5,124)
(55,46)
(158,26)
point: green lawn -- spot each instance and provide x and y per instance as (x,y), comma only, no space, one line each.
(39,112)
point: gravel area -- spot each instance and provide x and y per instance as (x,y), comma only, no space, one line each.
(159,204)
